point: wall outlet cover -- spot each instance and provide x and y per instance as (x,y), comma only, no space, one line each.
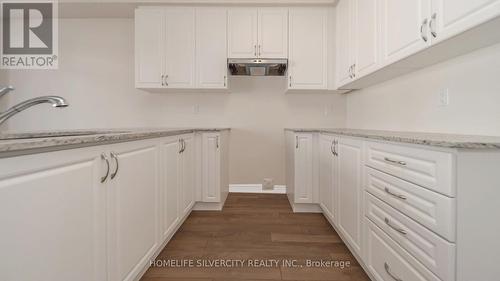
(268,184)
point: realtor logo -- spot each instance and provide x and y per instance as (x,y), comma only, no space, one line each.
(29,35)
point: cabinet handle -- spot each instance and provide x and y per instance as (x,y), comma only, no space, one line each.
(388,270)
(166,81)
(105,158)
(354,71)
(225,77)
(332,149)
(255,50)
(388,222)
(402,163)
(114,157)
(163,80)
(217,142)
(296,142)
(399,196)
(424,24)
(180,146)
(290,81)
(183,144)
(431,25)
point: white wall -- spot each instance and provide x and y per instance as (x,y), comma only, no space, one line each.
(96,75)
(410,103)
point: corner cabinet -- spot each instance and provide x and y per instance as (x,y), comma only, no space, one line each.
(308,43)
(258,33)
(180,48)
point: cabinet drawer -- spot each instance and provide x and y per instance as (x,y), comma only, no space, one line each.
(387,261)
(435,253)
(430,169)
(434,211)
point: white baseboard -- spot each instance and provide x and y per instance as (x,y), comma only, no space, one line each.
(256,188)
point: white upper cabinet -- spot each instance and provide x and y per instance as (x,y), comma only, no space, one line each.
(450,17)
(273,33)
(258,33)
(345,58)
(308,54)
(179,48)
(365,37)
(404,28)
(149,36)
(211,48)
(242,33)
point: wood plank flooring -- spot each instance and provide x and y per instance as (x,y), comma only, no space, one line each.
(255,229)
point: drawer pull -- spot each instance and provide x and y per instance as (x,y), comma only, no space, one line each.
(388,270)
(402,197)
(402,163)
(393,227)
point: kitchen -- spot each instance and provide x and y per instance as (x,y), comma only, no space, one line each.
(173,131)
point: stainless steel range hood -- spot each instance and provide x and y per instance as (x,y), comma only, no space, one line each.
(257,67)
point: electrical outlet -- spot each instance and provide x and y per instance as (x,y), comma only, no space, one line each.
(444,98)
(267,184)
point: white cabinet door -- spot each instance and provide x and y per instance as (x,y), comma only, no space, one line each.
(451,17)
(52,217)
(327,173)
(170,185)
(132,209)
(304,168)
(149,36)
(350,190)
(366,28)
(242,33)
(344,43)
(273,33)
(179,48)
(211,167)
(404,28)
(186,200)
(211,50)
(308,48)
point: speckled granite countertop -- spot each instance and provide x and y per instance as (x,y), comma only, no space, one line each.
(12,144)
(421,138)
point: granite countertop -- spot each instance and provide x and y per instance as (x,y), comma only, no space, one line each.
(12,144)
(421,138)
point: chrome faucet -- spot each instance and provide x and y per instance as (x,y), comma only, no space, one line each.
(55,101)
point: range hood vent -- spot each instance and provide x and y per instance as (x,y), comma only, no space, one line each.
(257,67)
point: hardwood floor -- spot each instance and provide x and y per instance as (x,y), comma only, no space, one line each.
(262,232)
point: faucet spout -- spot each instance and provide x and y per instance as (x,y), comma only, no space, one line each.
(55,101)
(5,90)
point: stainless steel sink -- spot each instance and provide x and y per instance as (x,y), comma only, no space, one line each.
(55,134)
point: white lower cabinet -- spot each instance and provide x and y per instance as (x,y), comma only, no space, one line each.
(52,217)
(387,261)
(350,164)
(132,208)
(170,179)
(328,184)
(98,213)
